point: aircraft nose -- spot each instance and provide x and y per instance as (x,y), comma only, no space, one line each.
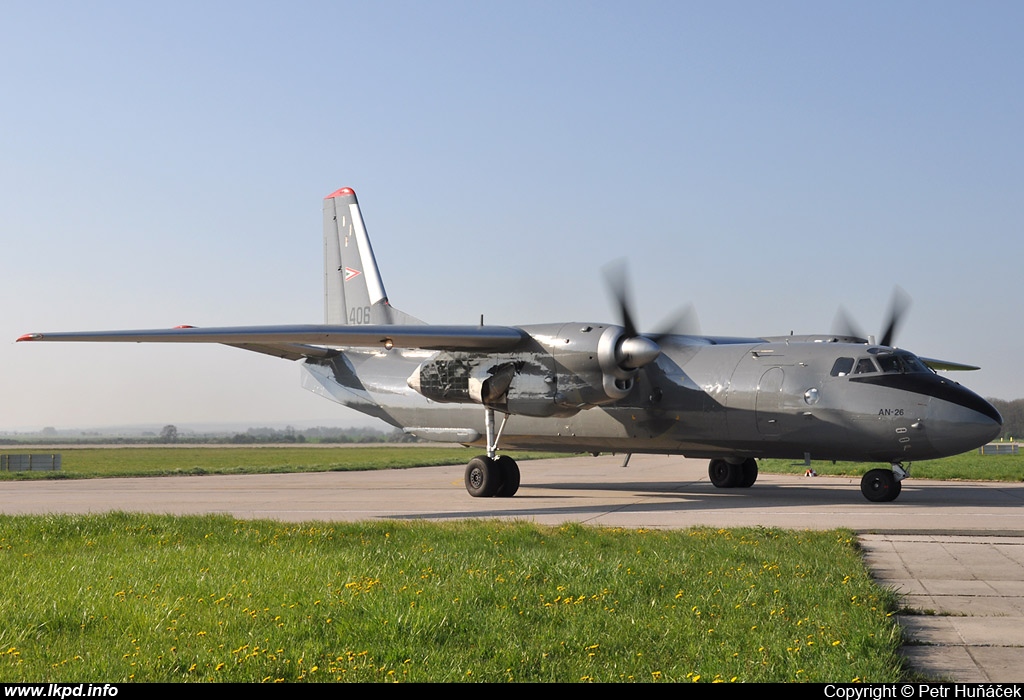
(961,421)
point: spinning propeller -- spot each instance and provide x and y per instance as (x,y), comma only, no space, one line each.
(635,350)
(898,305)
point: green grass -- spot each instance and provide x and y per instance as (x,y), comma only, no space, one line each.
(969,466)
(168,461)
(117,597)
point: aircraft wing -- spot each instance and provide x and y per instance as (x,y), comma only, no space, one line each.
(947,365)
(297,342)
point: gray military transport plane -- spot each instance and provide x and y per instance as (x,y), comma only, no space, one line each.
(601,387)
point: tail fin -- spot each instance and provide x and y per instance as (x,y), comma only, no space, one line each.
(353,290)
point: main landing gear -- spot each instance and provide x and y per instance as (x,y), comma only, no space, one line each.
(883,485)
(726,475)
(878,485)
(486,476)
(490,475)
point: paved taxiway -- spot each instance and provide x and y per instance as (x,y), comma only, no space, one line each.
(953,548)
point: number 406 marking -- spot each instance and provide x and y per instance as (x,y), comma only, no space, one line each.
(359,316)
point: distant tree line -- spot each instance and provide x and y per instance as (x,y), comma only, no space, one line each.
(1013,417)
(320,435)
(170,434)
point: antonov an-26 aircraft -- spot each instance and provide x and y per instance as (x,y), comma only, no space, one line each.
(601,387)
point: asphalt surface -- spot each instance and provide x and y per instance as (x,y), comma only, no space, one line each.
(954,550)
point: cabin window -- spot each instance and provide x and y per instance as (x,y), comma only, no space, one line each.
(842,367)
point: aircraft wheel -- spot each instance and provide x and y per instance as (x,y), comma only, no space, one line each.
(749,473)
(483,477)
(724,475)
(509,471)
(880,486)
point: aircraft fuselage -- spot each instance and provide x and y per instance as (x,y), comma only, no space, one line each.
(701,397)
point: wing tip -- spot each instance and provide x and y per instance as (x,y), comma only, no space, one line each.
(342,192)
(29,336)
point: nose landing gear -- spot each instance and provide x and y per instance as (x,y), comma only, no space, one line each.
(883,485)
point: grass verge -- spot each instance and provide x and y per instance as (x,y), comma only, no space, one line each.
(167,461)
(969,466)
(113,598)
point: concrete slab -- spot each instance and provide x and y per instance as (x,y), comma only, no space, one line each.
(654,491)
(967,626)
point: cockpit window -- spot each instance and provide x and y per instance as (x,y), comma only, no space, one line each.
(902,362)
(842,367)
(865,366)
(889,363)
(912,363)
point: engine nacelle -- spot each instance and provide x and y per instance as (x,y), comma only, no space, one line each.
(571,367)
(589,371)
(519,383)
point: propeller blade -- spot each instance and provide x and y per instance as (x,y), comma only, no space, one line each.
(897,307)
(844,325)
(633,351)
(617,278)
(683,321)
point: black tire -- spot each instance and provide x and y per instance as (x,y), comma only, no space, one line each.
(483,477)
(880,486)
(724,475)
(748,473)
(509,471)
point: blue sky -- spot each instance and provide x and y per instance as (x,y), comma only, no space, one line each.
(165,164)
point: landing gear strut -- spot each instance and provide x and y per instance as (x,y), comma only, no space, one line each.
(727,475)
(883,485)
(490,475)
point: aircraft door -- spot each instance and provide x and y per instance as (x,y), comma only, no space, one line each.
(768,403)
